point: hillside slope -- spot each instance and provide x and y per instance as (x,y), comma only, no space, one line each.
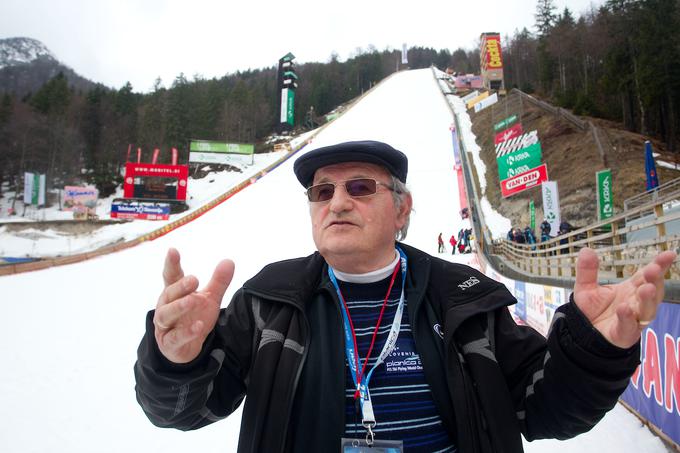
(572,159)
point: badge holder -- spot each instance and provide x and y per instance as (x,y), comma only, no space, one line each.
(379,446)
(369,445)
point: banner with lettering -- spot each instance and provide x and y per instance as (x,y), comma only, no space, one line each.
(507,134)
(654,390)
(605,200)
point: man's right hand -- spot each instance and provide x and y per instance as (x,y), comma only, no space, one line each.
(184,316)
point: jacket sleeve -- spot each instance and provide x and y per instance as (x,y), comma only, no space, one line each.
(562,387)
(192,395)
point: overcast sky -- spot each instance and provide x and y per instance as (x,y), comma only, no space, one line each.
(112,42)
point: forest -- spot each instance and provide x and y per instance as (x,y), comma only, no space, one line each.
(618,61)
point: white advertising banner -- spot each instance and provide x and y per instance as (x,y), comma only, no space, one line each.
(535,307)
(34,189)
(551,205)
(284,105)
(404,54)
(481,105)
(221,158)
(470,96)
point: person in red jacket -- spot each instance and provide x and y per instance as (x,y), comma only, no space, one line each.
(453,243)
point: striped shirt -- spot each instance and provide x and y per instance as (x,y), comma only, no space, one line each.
(402,400)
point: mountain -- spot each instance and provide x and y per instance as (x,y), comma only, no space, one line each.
(26,64)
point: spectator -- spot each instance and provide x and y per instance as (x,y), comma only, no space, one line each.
(565,227)
(518,236)
(440,242)
(545,230)
(453,243)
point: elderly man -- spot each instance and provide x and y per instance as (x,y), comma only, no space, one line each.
(372,342)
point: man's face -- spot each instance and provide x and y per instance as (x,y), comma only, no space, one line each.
(356,235)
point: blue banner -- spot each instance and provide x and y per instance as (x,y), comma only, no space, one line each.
(456,149)
(654,389)
(520,295)
(650,167)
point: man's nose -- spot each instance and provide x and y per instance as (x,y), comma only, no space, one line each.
(341,200)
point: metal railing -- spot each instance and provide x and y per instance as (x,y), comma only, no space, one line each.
(623,246)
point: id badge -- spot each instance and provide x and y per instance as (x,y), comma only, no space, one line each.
(379,446)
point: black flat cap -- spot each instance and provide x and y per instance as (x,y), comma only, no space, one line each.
(362,151)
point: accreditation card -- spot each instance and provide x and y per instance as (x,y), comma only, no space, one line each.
(379,446)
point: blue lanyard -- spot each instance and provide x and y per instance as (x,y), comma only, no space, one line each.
(351,353)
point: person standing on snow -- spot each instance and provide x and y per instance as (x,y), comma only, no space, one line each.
(371,342)
(453,243)
(440,243)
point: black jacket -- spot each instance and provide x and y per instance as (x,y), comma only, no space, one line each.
(280,343)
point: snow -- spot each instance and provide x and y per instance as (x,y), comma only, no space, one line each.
(16,51)
(70,333)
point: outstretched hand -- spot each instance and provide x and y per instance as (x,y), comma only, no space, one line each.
(184,316)
(620,312)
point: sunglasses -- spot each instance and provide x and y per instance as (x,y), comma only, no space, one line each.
(361,187)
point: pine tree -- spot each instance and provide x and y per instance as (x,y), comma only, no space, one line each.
(545,16)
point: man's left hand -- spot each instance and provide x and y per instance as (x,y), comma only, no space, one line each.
(620,312)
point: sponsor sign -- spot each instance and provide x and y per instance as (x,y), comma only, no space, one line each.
(535,307)
(505,123)
(520,295)
(470,96)
(34,189)
(76,198)
(203,151)
(468,81)
(492,51)
(654,390)
(519,162)
(524,181)
(553,297)
(473,101)
(283,116)
(532,215)
(551,204)
(491,100)
(605,199)
(220,158)
(456,146)
(206,146)
(140,210)
(517,143)
(132,189)
(508,134)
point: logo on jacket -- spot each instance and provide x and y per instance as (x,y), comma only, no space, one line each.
(469,283)
(438,329)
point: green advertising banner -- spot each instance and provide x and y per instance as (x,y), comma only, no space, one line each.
(519,162)
(505,123)
(532,215)
(206,146)
(290,113)
(605,197)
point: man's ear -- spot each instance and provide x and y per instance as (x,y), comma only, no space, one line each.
(404,210)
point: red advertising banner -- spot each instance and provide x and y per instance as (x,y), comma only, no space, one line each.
(508,134)
(178,172)
(492,47)
(524,181)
